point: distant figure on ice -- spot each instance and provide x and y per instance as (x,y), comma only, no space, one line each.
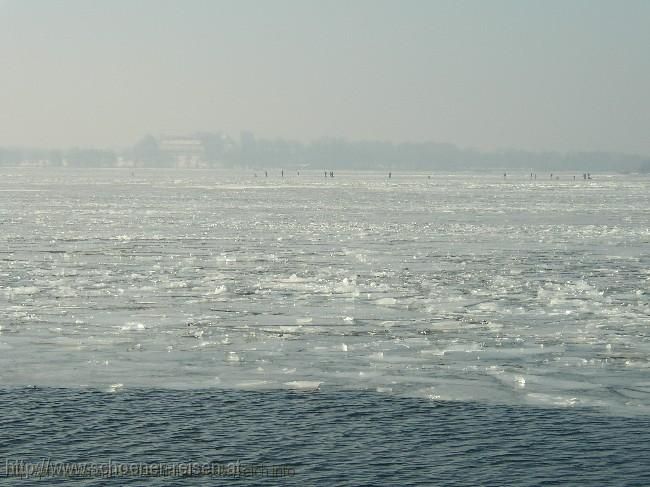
(331,174)
(283,173)
(266,174)
(504,175)
(389,175)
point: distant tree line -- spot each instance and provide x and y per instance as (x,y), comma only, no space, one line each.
(248,151)
(70,157)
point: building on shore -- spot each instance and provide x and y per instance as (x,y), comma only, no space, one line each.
(183,151)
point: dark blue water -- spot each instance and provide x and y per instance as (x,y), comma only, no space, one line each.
(342,438)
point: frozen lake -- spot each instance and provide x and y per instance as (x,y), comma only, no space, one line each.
(463,287)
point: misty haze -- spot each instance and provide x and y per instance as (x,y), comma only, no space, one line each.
(325,243)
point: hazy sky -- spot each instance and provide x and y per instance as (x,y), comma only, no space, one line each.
(563,75)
